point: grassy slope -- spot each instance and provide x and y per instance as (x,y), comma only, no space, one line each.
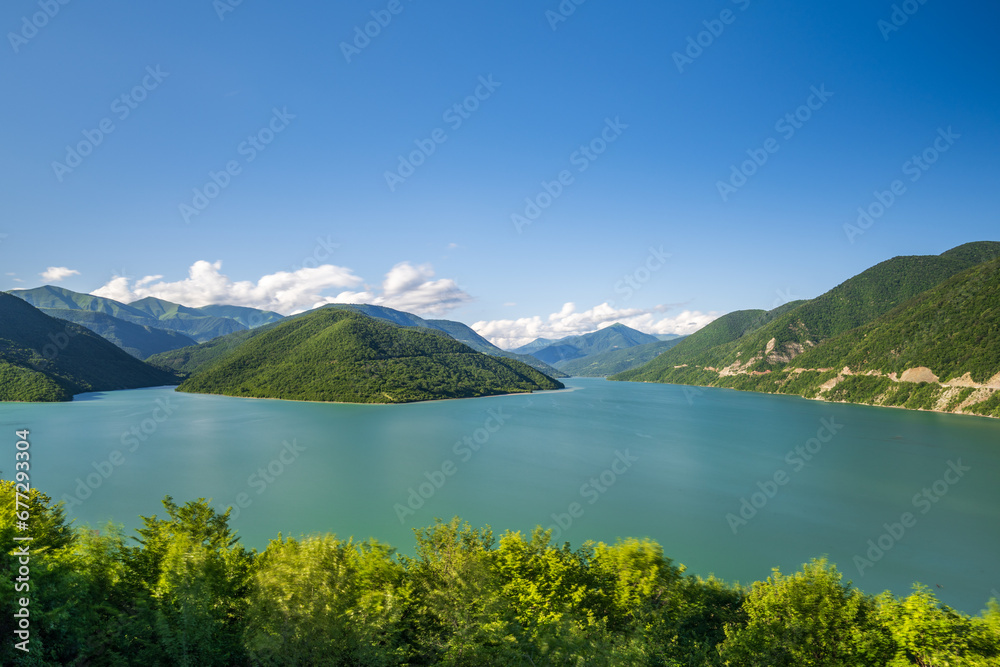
(337,355)
(46,359)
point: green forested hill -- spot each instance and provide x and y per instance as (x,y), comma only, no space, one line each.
(706,346)
(877,325)
(457,330)
(46,359)
(194,359)
(198,357)
(138,340)
(345,356)
(618,361)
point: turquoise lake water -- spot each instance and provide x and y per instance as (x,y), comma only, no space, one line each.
(597,461)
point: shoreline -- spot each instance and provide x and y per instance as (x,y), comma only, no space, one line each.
(429,400)
(817,398)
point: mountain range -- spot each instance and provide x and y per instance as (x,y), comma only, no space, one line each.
(199,324)
(916,331)
(599,353)
(603,364)
(46,359)
(614,337)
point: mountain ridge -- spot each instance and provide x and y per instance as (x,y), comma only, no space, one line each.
(200,324)
(835,346)
(44,359)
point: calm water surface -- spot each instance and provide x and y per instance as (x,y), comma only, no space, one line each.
(599,461)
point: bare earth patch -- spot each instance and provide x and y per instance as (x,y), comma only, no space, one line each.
(918,374)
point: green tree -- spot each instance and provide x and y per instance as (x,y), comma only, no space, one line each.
(196,577)
(457,616)
(324,601)
(929,634)
(808,619)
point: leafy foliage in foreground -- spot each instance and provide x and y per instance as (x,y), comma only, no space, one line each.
(46,359)
(344,356)
(186,593)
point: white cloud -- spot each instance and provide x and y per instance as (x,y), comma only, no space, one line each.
(284,292)
(410,288)
(568,322)
(54,274)
(148,279)
(405,287)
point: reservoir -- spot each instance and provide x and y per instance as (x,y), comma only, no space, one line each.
(729,483)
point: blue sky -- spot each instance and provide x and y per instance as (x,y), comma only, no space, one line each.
(441,241)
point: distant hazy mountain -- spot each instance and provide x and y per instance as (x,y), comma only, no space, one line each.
(534,345)
(614,337)
(138,340)
(190,321)
(343,355)
(467,335)
(248,317)
(603,364)
(201,324)
(46,359)
(915,332)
